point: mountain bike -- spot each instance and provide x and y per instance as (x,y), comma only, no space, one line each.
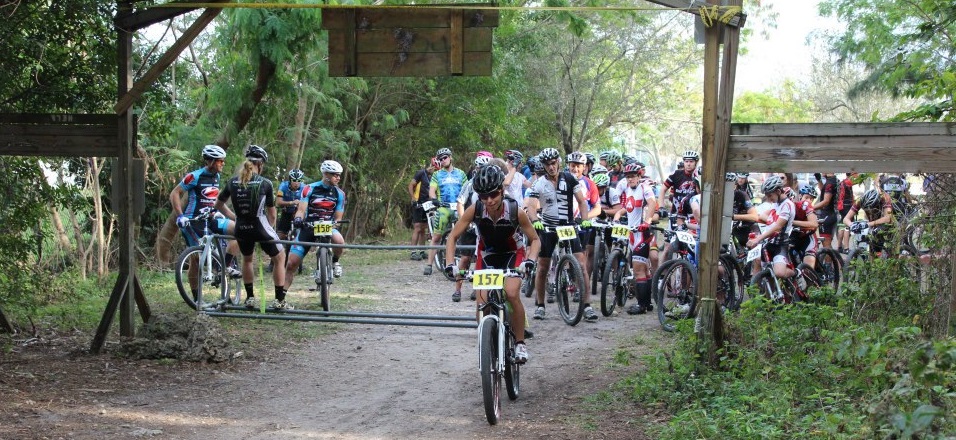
(618,271)
(674,284)
(431,213)
(323,231)
(208,256)
(565,276)
(828,266)
(496,340)
(781,290)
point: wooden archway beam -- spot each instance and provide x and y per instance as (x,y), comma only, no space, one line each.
(127,100)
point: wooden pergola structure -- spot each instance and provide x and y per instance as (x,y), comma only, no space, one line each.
(918,147)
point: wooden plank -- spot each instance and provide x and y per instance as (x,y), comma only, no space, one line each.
(454,43)
(129,97)
(424,17)
(423,40)
(693,7)
(27,130)
(841,166)
(144,18)
(66,146)
(845,129)
(418,65)
(351,63)
(842,147)
(58,118)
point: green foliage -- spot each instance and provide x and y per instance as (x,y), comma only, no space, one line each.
(30,196)
(906,45)
(806,371)
(781,104)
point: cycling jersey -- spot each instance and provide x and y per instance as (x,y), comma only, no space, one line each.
(801,208)
(322,202)
(681,186)
(634,200)
(873,214)
(844,195)
(249,202)
(785,209)
(592,196)
(422,180)
(202,189)
(556,201)
(832,187)
(448,184)
(515,190)
(288,194)
(616,177)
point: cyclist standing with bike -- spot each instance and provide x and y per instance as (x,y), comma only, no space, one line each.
(554,194)
(321,201)
(500,223)
(253,200)
(201,188)
(418,193)
(641,207)
(878,210)
(290,191)
(445,185)
(780,220)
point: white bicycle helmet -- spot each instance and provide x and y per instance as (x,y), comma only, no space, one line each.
(772,184)
(691,154)
(331,166)
(213,152)
(598,169)
(442,152)
(577,157)
(482,160)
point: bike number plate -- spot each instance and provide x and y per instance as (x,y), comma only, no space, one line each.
(620,231)
(487,279)
(565,233)
(428,206)
(686,238)
(323,229)
(754,254)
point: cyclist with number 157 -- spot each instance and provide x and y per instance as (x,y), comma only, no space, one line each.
(500,223)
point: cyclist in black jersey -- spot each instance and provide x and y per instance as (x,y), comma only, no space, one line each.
(825,207)
(682,185)
(253,201)
(500,224)
(744,214)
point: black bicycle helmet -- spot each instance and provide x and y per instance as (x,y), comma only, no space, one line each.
(487,178)
(549,154)
(256,153)
(296,175)
(871,199)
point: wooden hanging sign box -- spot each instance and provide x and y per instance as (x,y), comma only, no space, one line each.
(421,41)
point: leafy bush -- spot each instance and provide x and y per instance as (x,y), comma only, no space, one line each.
(802,371)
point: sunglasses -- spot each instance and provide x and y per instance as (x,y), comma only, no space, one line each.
(443,158)
(490,195)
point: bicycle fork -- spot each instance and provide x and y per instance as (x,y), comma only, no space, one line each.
(497,321)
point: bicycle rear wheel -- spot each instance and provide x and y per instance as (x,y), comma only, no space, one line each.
(675,292)
(490,379)
(733,277)
(325,276)
(512,368)
(808,279)
(612,289)
(828,268)
(212,287)
(568,280)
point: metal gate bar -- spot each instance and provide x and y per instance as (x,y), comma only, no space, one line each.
(285,316)
(367,314)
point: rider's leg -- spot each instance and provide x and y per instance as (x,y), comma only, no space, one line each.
(296,254)
(278,271)
(337,252)
(582,259)
(512,289)
(436,238)
(463,264)
(541,279)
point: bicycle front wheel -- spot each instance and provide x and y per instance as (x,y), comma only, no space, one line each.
(490,377)
(569,280)
(325,276)
(209,286)
(527,284)
(675,292)
(612,289)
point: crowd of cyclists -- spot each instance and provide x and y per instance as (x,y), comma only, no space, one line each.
(509,206)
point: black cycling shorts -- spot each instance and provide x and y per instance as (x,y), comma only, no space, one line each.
(828,223)
(249,233)
(550,239)
(418,215)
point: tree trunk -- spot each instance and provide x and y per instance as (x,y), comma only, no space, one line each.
(80,250)
(98,228)
(298,136)
(164,241)
(61,237)
(267,70)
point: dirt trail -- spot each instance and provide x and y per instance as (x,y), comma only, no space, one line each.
(360,382)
